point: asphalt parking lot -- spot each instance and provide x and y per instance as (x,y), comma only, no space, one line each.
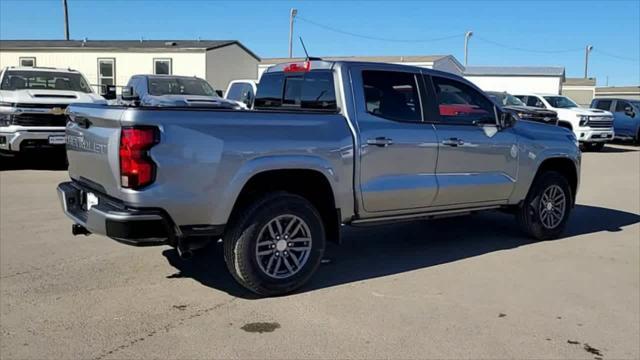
(468,287)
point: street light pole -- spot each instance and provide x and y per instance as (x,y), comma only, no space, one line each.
(587,50)
(467,35)
(66,20)
(292,15)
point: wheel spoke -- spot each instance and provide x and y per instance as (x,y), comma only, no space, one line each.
(278,226)
(289,226)
(273,256)
(271,231)
(277,268)
(265,252)
(296,240)
(294,257)
(286,263)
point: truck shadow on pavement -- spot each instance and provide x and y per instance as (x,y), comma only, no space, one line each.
(49,161)
(372,252)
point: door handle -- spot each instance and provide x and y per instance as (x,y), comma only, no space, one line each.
(453,142)
(380,141)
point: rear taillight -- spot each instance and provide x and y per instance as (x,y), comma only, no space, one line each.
(137,170)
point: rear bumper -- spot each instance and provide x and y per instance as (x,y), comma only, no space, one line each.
(137,227)
(20,138)
(594,135)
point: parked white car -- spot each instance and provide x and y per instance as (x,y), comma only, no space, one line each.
(592,127)
(242,92)
(32,106)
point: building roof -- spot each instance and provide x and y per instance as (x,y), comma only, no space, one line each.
(155,45)
(579,82)
(514,71)
(618,89)
(391,59)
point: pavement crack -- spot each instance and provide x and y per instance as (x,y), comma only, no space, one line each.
(171,325)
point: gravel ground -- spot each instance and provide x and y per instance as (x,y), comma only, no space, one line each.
(469,287)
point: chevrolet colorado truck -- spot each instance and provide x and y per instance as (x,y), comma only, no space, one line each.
(592,127)
(32,105)
(328,144)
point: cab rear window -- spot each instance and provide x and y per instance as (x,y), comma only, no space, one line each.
(311,91)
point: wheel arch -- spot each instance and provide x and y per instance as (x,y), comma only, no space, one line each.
(310,182)
(566,167)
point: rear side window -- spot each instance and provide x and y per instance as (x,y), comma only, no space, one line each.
(312,90)
(242,92)
(460,103)
(535,102)
(392,95)
(603,104)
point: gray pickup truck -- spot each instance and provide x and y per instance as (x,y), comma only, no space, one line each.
(328,144)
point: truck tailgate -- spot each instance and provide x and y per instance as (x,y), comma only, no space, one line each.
(93,138)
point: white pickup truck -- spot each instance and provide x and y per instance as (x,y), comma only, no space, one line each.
(592,127)
(33,103)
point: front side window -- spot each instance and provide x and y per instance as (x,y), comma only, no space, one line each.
(560,102)
(106,72)
(621,105)
(603,104)
(312,90)
(27,61)
(392,95)
(460,103)
(179,86)
(46,80)
(162,66)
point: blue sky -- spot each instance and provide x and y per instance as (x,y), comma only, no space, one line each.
(532,32)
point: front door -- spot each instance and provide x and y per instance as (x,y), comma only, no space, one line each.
(477,162)
(623,123)
(397,149)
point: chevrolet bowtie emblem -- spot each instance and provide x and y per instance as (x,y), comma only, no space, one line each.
(57,111)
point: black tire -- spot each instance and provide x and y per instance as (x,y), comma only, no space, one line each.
(241,237)
(529,213)
(637,139)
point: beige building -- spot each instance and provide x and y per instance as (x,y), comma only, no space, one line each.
(580,90)
(107,62)
(623,92)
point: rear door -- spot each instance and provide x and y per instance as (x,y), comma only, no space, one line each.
(477,162)
(397,147)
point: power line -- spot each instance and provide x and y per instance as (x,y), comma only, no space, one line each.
(374,37)
(615,56)
(510,47)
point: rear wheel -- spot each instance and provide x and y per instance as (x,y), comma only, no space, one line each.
(545,211)
(593,146)
(275,244)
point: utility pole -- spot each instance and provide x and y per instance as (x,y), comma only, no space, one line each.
(587,50)
(292,15)
(467,35)
(66,20)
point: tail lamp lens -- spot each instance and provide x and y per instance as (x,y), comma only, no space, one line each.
(137,169)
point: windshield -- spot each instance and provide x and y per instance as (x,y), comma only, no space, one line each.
(44,80)
(179,86)
(560,102)
(506,99)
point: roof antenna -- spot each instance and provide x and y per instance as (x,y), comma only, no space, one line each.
(306,53)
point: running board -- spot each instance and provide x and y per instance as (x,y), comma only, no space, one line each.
(420,216)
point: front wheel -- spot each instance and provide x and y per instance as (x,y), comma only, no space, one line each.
(594,146)
(545,211)
(275,244)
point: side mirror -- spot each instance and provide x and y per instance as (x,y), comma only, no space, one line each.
(108,92)
(506,120)
(219,93)
(128,94)
(628,110)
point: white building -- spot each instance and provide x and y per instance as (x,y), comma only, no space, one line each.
(437,62)
(517,79)
(107,62)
